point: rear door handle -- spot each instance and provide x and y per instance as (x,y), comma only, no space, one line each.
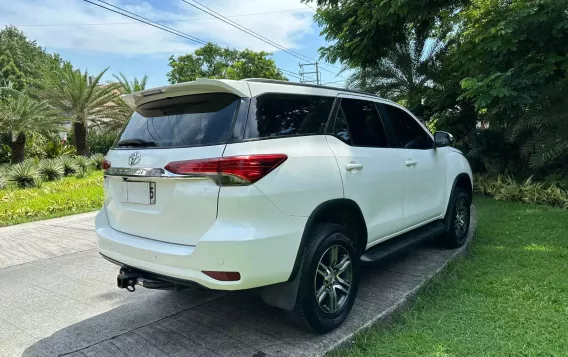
(353,166)
(410,162)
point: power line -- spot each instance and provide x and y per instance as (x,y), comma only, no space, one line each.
(164,28)
(159,21)
(161,27)
(250,32)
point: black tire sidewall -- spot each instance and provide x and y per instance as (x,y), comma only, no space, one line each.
(319,320)
(451,239)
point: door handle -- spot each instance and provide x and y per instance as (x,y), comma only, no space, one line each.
(410,162)
(353,166)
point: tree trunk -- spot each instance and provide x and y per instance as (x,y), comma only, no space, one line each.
(18,148)
(80,131)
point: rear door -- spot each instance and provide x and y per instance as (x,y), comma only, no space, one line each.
(372,171)
(425,170)
(144,199)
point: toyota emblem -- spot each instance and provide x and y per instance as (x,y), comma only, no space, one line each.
(134,158)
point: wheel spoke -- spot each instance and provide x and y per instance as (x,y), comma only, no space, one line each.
(321,294)
(334,256)
(332,299)
(323,270)
(343,285)
(343,265)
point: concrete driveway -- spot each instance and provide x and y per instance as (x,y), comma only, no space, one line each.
(58,298)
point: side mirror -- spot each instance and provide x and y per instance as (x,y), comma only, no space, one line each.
(441,139)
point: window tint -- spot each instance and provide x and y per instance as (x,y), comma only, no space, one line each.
(410,134)
(275,114)
(340,128)
(196,120)
(363,122)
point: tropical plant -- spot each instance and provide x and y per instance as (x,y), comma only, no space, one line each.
(403,73)
(69,165)
(56,148)
(2,180)
(97,160)
(20,115)
(23,175)
(101,141)
(82,162)
(82,99)
(51,169)
(127,86)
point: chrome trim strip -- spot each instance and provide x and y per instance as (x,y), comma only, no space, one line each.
(147,172)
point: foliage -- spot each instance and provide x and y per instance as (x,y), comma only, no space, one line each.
(212,61)
(403,73)
(56,148)
(51,169)
(100,142)
(69,165)
(54,199)
(2,180)
(22,61)
(82,100)
(127,86)
(528,191)
(97,160)
(508,298)
(23,175)
(21,115)
(83,163)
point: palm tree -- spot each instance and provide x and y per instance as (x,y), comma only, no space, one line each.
(82,100)
(20,115)
(127,86)
(403,74)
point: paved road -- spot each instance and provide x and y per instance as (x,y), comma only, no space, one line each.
(58,298)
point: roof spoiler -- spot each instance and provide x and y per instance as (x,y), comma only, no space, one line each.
(199,86)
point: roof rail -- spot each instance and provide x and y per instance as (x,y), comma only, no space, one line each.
(277,81)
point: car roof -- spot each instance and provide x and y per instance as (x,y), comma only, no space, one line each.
(250,87)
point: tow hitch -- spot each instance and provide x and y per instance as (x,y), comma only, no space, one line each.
(129,278)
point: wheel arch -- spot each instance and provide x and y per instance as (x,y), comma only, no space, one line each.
(342,211)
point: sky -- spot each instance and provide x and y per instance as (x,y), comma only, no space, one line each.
(93,38)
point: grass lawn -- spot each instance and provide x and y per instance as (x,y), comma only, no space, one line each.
(53,199)
(508,298)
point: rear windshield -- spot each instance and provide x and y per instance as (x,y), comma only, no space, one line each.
(194,120)
(274,114)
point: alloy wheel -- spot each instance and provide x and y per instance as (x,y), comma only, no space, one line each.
(332,281)
(462,212)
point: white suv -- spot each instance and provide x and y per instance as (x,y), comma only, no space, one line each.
(235,185)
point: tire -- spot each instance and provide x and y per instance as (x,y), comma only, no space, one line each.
(459,211)
(327,241)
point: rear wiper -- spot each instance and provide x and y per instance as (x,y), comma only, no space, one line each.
(136,142)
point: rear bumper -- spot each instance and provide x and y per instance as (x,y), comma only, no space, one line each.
(263,254)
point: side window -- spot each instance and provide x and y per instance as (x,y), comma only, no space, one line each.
(410,134)
(276,114)
(340,128)
(363,122)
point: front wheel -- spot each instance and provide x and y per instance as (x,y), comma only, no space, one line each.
(459,219)
(329,280)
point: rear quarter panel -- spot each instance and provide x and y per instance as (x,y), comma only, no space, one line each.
(307,178)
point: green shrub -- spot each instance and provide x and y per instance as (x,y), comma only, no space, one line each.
(527,191)
(82,172)
(101,142)
(55,149)
(2,181)
(97,161)
(69,165)
(23,175)
(51,169)
(82,162)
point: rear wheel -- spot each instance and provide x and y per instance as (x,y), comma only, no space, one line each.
(329,279)
(459,219)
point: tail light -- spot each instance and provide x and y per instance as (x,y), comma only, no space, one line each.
(105,165)
(230,171)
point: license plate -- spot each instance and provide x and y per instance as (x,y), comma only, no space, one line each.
(142,193)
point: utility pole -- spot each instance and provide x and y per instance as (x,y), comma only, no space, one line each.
(307,77)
